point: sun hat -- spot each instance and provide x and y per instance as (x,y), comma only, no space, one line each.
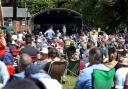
(44,50)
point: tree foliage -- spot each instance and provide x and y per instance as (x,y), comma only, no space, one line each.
(102,13)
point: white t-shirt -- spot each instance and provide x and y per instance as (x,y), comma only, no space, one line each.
(120,77)
(14,37)
(20,37)
(51,83)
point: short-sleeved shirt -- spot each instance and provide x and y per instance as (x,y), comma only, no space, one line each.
(120,77)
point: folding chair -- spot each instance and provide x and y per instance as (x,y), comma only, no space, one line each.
(56,69)
(103,79)
(73,67)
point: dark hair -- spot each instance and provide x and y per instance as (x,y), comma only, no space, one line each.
(111,52)
(53,52)
(38,83)
(96,54)
(21,84)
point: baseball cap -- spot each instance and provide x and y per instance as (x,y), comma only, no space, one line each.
(44,50)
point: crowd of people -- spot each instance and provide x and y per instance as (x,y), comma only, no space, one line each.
(24,58)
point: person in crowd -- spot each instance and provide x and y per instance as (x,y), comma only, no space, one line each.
(112,58)
(49,34)
(28,37)
(71,50)
(121,47)
(58,34)
(126,43)
(84,37)
(121,73)
(112,42)
(53,55)
(54,42)
(9,62)
(94,37)
(60,45)
(24,61)
(12,45)
(33,71)
(96,62)
(4,75)
(3,45)
(21,84)
(28,49)
(90,44)
(64,30)
(41,62)
(20,36)
(8,38)
(14,36)
(84,54)
(67,42)
(34,44)
(40,39)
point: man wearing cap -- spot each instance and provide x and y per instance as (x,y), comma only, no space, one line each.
(44,55)
(33,71)
(121,74)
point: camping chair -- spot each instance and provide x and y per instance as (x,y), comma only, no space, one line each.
(73,67)
(103,79)
(56,69)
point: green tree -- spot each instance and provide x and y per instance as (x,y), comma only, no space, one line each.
(107,14)
(35,6)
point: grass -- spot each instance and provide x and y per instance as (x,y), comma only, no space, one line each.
(69,82)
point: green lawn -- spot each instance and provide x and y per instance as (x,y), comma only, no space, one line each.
(69,82)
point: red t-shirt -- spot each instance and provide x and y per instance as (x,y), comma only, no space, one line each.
(2,50)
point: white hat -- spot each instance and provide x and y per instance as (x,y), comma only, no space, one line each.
(44,50)
(13,42)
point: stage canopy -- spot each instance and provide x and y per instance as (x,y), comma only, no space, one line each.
(59,16)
